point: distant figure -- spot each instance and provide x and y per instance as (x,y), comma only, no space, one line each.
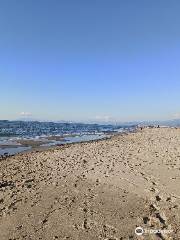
(158,126)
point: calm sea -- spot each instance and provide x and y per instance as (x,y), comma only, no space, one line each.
(12,133)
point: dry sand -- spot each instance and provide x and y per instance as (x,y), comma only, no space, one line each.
(98,190)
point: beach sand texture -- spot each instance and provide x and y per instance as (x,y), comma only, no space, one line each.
(97,190)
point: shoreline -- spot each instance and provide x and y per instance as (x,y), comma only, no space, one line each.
(92,190)
(65,144)
(40,148)
(44,149)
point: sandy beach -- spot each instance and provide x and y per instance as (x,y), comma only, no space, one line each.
(97,190)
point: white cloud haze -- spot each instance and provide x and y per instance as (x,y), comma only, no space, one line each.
(26,114)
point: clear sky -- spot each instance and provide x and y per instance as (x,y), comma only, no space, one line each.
(87,60)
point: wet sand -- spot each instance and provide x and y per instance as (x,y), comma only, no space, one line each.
(97,190)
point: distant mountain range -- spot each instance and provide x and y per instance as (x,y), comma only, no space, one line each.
(173,122)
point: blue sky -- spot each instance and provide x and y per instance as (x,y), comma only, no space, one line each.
(90,60)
